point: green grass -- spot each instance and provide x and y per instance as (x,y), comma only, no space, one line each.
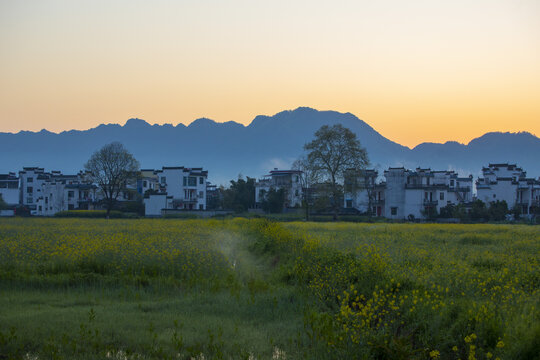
(253,288)
(86,322)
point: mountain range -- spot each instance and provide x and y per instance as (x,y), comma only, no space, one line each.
(229,149)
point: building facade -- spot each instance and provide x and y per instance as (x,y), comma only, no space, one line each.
(509,183)
(406,194)
(363,193)
(178,188)
(288,180)
(9,188)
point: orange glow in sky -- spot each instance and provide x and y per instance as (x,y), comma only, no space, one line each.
(415,71)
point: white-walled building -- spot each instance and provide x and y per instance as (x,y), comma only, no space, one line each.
(178,188)
(61,192)
(148,181)
(508,182)
(411,194)
(406,194)
(288,180)
(9,188)
(31,181)
(363,193)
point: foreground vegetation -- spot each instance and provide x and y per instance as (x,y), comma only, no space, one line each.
(87,288)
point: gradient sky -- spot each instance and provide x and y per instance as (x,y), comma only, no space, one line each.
(414,70)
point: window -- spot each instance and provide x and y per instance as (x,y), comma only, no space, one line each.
(46,200)
(393,210)
(71,206)
(29,200)
(39,208)
(425,195)
(296,192)
(144,183)
(201,194)
(441,196)
(349,203)
(192,181)
(30,179)
(163,180)
(71,194)
(452,183)
(185,181)
(201,180)
(30,190)
(201,206)
(494,196)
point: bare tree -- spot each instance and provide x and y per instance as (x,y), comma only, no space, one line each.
(334,150)
(111,168)
(308,178)
(360,180)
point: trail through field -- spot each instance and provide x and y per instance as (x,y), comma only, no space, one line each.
(235,247)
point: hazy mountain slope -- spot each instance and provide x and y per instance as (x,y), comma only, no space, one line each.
(228,149)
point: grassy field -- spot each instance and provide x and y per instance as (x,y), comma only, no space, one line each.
(254,289)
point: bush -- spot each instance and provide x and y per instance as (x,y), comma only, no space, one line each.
(94,214)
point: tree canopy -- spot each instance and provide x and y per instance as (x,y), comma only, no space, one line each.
(111,168)
(335,150)
(240,196)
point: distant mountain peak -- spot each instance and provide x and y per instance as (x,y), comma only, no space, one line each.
(135,122)
(202,122)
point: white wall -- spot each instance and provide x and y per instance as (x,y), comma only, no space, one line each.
(154,203)
(502,190)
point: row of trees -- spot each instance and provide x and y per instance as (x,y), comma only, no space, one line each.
(478,212)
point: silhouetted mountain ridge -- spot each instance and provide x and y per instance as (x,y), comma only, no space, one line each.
(228,149)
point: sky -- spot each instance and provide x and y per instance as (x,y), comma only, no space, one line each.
(416,71)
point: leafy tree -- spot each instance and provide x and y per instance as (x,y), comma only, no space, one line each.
(111,168)
(274,201)
(430,213)
(240,196)
(334,150)
(478,211)
(497,210)
(447,211)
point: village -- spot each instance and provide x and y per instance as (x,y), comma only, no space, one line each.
(400,194)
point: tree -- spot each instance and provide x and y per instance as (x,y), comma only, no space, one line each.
(274,201)
(361,181)
(478,211)
(111,168)
(240,196)
(308,178)
(334,150)
(497,210)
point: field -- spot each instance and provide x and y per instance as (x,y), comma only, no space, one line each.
(257,289)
